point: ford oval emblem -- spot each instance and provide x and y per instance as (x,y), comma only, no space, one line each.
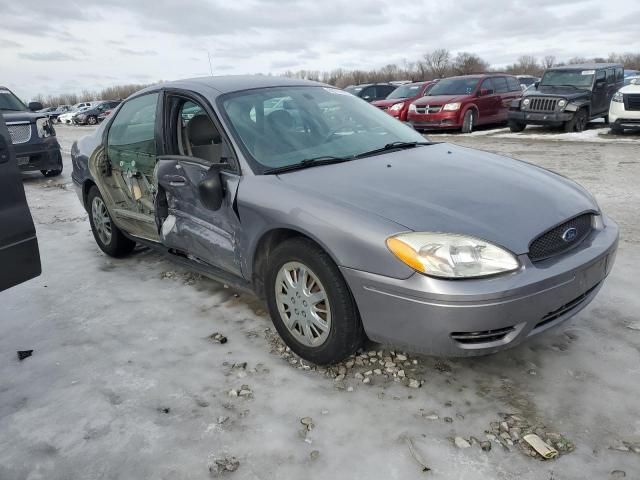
(570,234)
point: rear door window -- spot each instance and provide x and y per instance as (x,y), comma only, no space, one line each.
(514,85)
(487,84)
(131,142)
(611,76)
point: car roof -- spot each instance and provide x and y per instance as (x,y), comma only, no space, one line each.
(217,86)
(586,66)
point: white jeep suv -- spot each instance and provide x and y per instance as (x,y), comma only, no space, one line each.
(624,111)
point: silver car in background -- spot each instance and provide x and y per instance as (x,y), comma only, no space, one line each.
(349,223)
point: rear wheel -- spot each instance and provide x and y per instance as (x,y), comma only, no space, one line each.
(92,120)
(310,303)
(578,122)
(616,129)
(469,121)
(517,126)
(109,238)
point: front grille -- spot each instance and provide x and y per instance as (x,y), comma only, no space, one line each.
(20,132)
(558,240)
(564,309)
(542,104)
(422,109)
(486,336)
(631,101)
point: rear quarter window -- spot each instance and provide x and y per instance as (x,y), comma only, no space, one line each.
(500,85)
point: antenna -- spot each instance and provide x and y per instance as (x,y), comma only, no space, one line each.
(210,65)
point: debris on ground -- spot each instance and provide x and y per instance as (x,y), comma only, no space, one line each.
(634,326)
(617,474)
(223,465)
(314,454)
(540,446)
(461,442)
(366,367)
(307,426)
(624,446)
(22,354)
(218,338)
(514,430)
(165,410)
(415,454)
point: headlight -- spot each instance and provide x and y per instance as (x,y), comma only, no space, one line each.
(526,101)
(450,255)
(562,103)
(44,127)
(452,106)
(412,108)
(617,97)
(396,106)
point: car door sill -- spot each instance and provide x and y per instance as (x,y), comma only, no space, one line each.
(210,271)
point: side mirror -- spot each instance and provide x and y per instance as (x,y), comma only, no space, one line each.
(35,106)
(211,190)
(537,84)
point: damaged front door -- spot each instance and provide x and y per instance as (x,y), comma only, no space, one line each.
(187,221)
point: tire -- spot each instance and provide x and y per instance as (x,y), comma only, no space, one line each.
(606,119)
(516,126)
(92,120)
(578,122)
(339,332)
(54,172)
(115,244)
(469,121)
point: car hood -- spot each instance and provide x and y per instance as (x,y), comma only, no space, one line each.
(22,116)
(445,188)
(388,103)
(565,92)
(439,99)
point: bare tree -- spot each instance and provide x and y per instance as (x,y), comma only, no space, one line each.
(438,62)
(548,61)
(466,63)
(528,65)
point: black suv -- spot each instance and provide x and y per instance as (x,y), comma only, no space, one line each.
(371,91)
(568,96)
(32,135)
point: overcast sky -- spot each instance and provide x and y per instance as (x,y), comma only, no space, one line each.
(60,46)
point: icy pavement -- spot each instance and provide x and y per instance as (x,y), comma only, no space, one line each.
(126,383)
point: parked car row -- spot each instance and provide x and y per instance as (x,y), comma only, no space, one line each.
(84,113)
(566,96)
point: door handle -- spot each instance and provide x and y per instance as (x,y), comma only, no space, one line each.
(175,180)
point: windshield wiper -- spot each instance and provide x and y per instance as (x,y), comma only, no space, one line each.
(393,146)
(309,162)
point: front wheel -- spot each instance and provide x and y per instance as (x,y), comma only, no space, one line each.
(516,126)
(92,120)
(469,121)
(108,236)
(578,122)
(310,303)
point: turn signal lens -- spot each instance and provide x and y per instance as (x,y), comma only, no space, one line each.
(449,255)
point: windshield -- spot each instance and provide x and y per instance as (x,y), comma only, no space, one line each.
(9,102)
(574,78)
(353,90)
(405,91)
(454,86)
(283,126)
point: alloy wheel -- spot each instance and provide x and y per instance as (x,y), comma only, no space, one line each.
(101,220)
(303,304)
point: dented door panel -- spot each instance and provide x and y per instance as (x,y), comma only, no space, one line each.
(191,228)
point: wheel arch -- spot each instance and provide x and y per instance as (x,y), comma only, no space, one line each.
(265,245)
(86,187)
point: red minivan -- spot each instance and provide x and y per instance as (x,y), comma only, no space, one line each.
(398,101)
(465,102)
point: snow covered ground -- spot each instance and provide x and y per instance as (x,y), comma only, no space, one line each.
(124,382)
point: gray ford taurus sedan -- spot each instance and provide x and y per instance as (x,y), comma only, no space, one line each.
(344,219)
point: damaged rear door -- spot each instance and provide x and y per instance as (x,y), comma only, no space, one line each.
(197,154)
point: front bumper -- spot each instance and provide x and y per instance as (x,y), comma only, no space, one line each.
(40,154)
(428,121)
(537,118)
(476,317)
(622,117)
